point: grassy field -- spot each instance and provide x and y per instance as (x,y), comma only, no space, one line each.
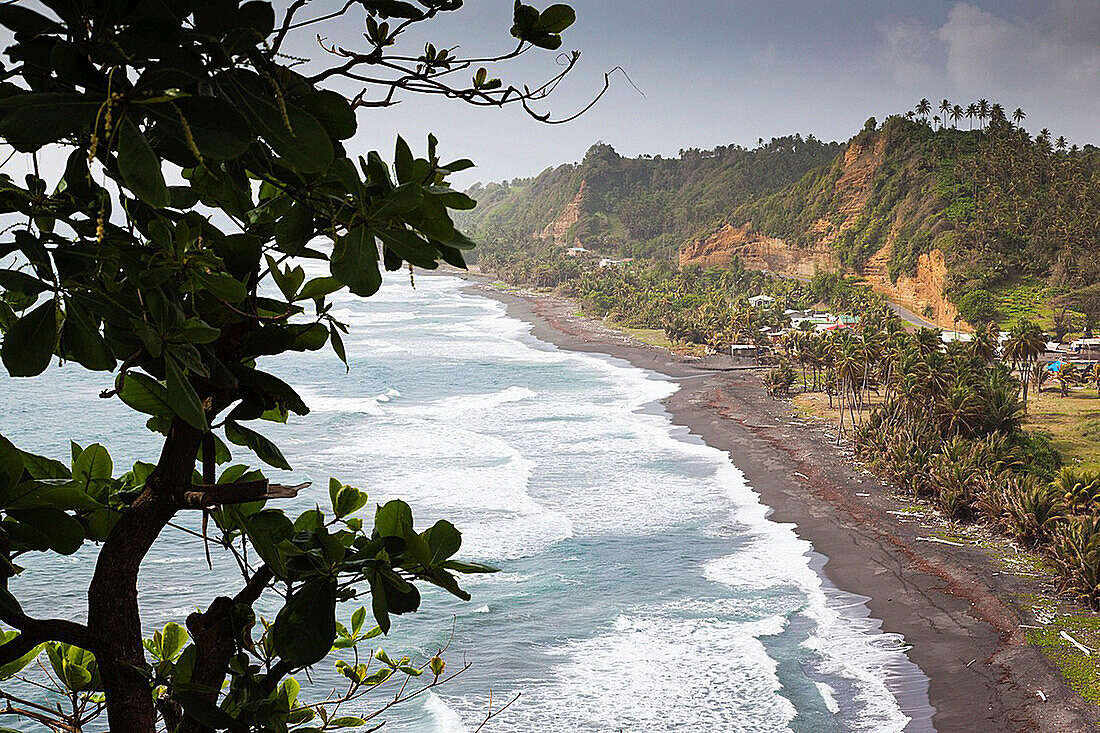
(1028,299)
(1073,424)
(655,337)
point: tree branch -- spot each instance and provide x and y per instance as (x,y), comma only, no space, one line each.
(33,632)
(205,496)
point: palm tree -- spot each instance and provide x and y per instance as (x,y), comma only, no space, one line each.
(971,113)
(1024,345)
(983,344)
(923,108)
(956,115)
(1068,375)
(1018,116)
(945,109)
(959,409)
(983,111)
(1060,143)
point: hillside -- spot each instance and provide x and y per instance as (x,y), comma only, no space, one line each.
(958,225)
(645,206)
(990,224)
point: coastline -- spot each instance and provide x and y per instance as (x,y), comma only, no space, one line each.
(945,599)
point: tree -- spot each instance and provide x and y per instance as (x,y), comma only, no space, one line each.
(971,113)
(202,163)
(1018,116)
(1024,346)
(924,107)
(945,110)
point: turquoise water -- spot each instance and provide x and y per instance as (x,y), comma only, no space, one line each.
(642,586)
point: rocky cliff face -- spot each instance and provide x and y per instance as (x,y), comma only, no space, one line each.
(557,231)
(758,252)
(851,190)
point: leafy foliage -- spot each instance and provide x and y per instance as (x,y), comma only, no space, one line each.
(201,166)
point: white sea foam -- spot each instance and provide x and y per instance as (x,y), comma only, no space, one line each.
(466,403)
(650,673)
(441,718)
(595,464)
(365,405)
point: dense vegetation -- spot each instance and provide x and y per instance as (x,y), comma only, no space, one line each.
(946,426)
(645,206)
(1005,208)
(1017,217)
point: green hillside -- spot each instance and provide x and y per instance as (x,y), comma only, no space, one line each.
(1016,217)
(645,206)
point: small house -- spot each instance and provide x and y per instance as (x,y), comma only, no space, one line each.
(743,351)
(761,301)
(577,251)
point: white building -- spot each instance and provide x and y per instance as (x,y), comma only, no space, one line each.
(577,251)
(757,301)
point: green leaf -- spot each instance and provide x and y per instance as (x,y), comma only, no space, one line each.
(338,345)
(443,541)
(182,396)
(304,144)
(26,21)
(221,285)
(266,529)
(174,638)
(63,533)
(355,262)
(217,128)
(319,287)
(394,519)
(140,166)
(198,708)
(267,451)
(305,628)
(403,161)
(144,394)
(93,463)
(29,121)
(347,500)
(81,340)
(20,282)
(10,669)
(556,18)
(469,567)
(11,464)
(333,111)
(29,343)
(294,229)
(40,467)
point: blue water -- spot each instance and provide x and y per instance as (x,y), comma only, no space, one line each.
(642,587)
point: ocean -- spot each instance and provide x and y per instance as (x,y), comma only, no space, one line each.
(642,585)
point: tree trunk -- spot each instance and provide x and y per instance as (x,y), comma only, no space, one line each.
(113,615)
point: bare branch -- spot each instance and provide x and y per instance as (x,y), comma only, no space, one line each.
(205,496)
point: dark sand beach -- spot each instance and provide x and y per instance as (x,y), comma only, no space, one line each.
(947,600)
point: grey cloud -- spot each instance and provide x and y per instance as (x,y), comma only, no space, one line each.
(984,50)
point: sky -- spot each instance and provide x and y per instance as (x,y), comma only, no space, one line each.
(709,72)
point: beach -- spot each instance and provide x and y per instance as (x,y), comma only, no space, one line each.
(950,601)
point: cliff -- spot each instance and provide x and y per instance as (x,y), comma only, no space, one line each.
(558,230)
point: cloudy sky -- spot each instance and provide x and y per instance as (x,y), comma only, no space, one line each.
(715,72)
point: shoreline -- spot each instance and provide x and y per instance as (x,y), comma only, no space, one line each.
(946,600)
